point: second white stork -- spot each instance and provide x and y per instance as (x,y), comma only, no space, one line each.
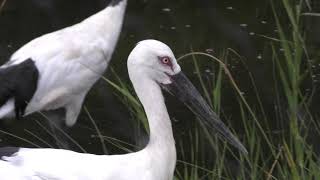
(56,70)
(151,65)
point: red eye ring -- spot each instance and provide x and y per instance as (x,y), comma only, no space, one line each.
(165,60)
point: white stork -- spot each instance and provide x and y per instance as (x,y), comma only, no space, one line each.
(151,65)
(56,70)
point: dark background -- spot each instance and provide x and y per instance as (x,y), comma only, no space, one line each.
(203,25)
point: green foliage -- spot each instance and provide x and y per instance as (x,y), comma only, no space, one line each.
(281,155)
(286,155)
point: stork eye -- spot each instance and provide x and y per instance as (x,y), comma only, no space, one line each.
(165,60)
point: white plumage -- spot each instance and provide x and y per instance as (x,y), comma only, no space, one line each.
(151,65)
(69,62)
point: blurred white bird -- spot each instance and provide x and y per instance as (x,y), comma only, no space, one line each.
(151,65)
(56,70)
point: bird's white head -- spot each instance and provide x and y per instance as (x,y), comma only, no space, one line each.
(154,59)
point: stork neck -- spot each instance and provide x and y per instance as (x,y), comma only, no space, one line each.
(151,97)
(161,144)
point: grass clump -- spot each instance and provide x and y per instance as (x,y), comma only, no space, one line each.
(283,154)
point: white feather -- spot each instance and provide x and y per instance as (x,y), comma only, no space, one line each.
(7,110)
(155,162)
(70,61)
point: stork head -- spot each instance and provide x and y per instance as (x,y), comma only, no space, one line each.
(155,60)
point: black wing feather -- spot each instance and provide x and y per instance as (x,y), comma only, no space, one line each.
(19,82)
(8,151)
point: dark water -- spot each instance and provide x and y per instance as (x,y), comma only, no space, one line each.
(203,25)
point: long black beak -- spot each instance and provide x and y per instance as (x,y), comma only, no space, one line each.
(187,93)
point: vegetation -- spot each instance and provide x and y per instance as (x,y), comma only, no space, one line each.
(284,154)
(282,150)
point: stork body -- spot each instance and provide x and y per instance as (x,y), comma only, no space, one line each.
(68,62)
(151,65)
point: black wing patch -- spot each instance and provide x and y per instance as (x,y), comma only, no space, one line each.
(8,151)
(19,82)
